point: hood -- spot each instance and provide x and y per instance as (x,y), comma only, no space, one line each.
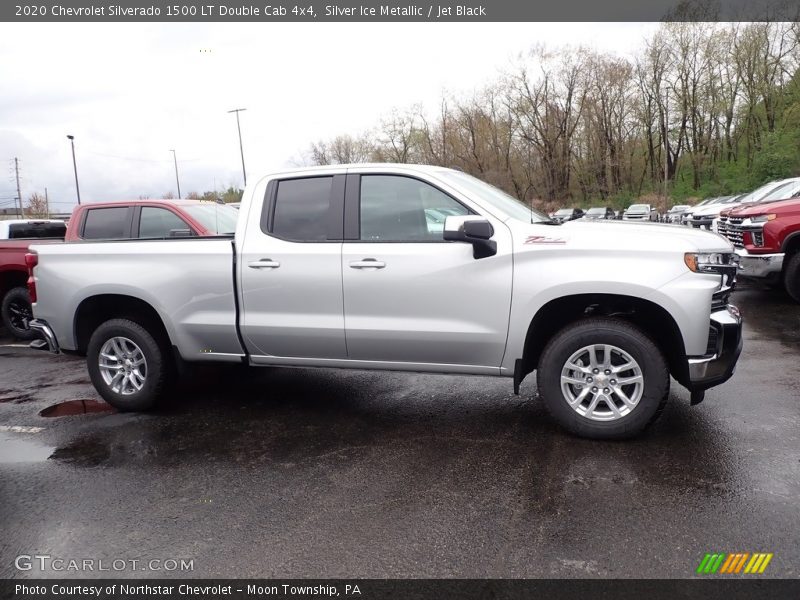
(778,207)
(713,209)
(618,235)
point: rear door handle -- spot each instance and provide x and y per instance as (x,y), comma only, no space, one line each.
(264,263)
(367,263)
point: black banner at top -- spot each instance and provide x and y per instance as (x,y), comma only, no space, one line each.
(395,10)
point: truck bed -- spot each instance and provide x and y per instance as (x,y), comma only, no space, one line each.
(192,288)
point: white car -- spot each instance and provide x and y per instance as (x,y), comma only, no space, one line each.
(31,228)
(640,212)
(340,266)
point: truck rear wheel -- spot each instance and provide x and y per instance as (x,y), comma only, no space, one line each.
(17,313)
(603,378)
(127,365)
(791,276)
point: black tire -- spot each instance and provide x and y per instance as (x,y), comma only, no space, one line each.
(16,312)
(626,337)
(158,365)
(791,276)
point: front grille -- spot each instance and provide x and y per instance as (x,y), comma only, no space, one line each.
(735,220)
(735,235)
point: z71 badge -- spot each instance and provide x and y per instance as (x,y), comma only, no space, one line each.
(543,239)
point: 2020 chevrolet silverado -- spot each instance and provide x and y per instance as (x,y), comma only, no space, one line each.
(340,267)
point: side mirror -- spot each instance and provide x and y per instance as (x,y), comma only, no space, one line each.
(472,230)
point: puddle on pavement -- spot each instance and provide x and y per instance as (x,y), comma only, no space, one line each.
(76,407)
(20,450)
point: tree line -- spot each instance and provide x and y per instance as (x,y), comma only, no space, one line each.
(703,109)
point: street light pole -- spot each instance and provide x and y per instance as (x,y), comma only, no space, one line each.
(241,149)
(177,181)
(71,139)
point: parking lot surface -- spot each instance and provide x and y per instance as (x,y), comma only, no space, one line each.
(325,473)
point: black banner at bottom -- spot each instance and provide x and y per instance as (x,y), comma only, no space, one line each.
(406,589)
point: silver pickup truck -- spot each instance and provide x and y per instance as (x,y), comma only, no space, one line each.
(405,267)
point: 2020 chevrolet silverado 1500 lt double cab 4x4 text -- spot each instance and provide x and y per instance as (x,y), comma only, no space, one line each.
(340,267)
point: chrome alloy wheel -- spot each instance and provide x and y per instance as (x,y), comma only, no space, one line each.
(602,382)
(122,365)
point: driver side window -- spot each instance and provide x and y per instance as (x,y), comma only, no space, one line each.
(403,209)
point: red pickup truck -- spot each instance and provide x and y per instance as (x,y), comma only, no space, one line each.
(767,239)
(138,219)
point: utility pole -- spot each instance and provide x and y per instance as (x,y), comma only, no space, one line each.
(19,193)
(71,139)
(241,149)
(177,181)
(46,203)
(666,144)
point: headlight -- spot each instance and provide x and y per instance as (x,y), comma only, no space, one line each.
(762,218)
(710,262)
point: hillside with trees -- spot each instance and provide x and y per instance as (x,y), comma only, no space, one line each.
(704,109)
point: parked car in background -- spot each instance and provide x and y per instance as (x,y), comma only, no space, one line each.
(703,217)
(27,229)
(675,214)
(567,214)
(766,236)
(686,217)
(789,188)
(140,219)
(708,217)
(15,238)
(598,213)
(640,212)
(337,267)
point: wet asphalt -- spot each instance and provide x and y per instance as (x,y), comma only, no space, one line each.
(325,473)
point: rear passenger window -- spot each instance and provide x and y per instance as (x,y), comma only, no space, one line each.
(301,209)
(106,223)
(160,223)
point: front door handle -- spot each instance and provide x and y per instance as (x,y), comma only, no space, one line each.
(264,263)
(367,263)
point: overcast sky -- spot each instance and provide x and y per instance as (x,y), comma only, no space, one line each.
(130,92)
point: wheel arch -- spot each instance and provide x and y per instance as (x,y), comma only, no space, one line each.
(95,310)
(10,279)
(654,320)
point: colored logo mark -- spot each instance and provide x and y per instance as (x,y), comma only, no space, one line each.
(737,563)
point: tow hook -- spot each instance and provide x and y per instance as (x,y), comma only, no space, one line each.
(697,397)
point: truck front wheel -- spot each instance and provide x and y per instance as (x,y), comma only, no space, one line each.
(603,378)
(127,365)
(791,276)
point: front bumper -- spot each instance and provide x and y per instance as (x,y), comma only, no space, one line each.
(704,222)
(47,336)
(759,265)
(710,370)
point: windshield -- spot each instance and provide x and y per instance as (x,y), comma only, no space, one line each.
(639,207)
(679,208)
(563,212)
(759,193)
(506,204)
(783,192)
(596,211)
(216,218)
